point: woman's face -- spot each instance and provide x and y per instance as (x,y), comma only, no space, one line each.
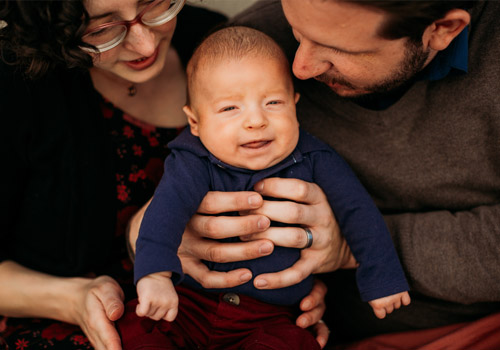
(141,56)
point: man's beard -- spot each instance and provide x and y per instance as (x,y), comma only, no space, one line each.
(413,62)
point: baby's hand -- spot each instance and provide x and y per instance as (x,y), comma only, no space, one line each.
(157,297)
(383,306)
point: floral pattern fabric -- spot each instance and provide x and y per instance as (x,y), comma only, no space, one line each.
(140,150)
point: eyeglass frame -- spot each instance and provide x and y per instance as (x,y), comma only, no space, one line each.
(128,24)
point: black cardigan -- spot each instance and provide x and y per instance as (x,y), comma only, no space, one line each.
(58,199)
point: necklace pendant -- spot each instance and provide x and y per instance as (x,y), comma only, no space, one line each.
(132,90)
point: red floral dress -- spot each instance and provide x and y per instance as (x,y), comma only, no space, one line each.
(140,150)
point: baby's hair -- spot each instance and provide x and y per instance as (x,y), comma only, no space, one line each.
(232,43)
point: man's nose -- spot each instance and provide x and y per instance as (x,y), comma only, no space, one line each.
(308,62)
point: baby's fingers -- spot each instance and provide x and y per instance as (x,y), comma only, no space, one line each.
(143,309)
(406,300)
(380,313)
(171,315)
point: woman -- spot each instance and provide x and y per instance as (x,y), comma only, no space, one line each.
(88,108)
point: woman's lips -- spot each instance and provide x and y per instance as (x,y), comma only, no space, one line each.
(143,63)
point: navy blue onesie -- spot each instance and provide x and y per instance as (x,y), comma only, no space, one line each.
(191,171)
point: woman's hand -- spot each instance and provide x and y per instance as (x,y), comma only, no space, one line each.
(313,307)
(92,304)
(97,303)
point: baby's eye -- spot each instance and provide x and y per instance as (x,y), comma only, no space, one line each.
(227,109)
(274,102)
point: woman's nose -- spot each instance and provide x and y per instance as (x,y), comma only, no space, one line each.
(140,39)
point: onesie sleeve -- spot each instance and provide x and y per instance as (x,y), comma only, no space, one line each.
(183,186)
(379,273)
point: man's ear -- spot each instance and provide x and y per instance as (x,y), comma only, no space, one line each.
(441,32)
(192,120)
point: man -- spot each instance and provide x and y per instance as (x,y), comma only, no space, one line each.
(407,93)
(411,102)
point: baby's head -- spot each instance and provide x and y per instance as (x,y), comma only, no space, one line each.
(241,100)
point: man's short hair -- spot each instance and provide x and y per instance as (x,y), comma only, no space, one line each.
(411,18)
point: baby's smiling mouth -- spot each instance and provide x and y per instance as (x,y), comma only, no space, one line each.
(256,144)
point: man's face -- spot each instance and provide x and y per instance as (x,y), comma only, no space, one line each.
(340,47)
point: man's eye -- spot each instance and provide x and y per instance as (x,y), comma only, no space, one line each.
(274,102)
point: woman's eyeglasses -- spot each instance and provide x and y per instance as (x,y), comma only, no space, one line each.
(109,35)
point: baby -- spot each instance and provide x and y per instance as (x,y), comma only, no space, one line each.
(243,128)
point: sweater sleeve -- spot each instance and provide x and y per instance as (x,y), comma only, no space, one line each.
(379,273)
(460,267)
(15,137)
(184,184)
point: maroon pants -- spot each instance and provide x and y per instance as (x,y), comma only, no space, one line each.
(216,321)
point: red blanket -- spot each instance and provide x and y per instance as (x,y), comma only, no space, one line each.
(483,334)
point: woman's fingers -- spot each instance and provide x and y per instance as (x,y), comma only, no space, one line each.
(102,304)
(322,333)
(313,305)
(111,297)
(101,331)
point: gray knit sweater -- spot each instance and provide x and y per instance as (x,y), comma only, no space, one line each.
(431,162)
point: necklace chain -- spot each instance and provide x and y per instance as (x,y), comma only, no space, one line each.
(132,90)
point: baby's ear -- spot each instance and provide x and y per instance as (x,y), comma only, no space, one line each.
(192,120)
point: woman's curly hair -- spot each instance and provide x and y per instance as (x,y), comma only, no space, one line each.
(42,35)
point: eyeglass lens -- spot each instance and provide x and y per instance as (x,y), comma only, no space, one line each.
(108,37)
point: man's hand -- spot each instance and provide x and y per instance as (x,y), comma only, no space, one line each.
(309,208)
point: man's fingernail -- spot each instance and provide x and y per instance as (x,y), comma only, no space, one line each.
(265,248)
(263,223)
(307,305)
(259,186)
(254,201)
(246,277)
(261,283)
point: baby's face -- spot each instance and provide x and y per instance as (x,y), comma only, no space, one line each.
(245,112)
